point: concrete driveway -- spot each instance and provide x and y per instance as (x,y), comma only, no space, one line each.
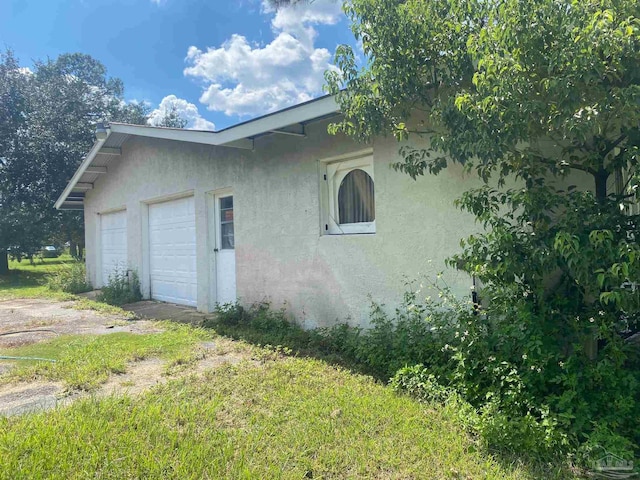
(37,320)
(28,321)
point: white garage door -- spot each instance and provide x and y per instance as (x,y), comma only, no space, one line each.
(172,251)
(113,242)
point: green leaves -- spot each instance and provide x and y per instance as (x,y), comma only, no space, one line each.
(523,94)
(47,120)
(541,100)
(494,75)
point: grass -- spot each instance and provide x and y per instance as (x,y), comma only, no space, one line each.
(83,362)
(105,308)
(26,280)
(290,418)
(276,417)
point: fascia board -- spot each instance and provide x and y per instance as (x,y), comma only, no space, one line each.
(239,133)
(81,169)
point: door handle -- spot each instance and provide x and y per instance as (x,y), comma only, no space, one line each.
(215,249)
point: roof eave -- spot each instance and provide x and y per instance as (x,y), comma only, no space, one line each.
(238,136)
(81,169)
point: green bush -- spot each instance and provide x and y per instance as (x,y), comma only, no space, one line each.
(522,381)
(123,287)
(392,342)
(69,278)
(525,371)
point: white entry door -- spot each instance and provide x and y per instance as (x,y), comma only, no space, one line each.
(225,261)
(172,251)
(113,244)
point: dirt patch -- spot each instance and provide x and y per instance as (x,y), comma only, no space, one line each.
(140,376)
(145,374)
(22,398)
(217,353)
(44,319)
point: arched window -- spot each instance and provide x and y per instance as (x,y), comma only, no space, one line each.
(348,201)
(355,198)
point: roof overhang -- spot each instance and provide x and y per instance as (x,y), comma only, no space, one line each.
(290,121)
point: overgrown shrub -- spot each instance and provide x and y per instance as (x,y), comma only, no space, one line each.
(378,352)
(522,381)
(123,287)
(527,375)
(69,278)
(392,342)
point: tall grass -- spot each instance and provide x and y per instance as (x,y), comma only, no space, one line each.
(69,278)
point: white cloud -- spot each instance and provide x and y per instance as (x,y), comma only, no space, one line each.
(186,110)
(242,78)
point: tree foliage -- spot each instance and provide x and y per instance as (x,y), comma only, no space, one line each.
(541,100)
(531,92)
(48,118)
(286,3)
(172,118)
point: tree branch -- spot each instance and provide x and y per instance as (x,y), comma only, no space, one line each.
(614,144)
(421,132)
(575,166)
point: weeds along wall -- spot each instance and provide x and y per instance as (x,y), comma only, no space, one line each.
(513,387)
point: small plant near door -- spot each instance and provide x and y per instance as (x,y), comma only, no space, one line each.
(123,287)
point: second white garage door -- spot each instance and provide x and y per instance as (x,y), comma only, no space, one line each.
(172,251)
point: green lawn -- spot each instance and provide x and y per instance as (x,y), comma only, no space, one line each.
(27,280)
(286,418)
(268,417)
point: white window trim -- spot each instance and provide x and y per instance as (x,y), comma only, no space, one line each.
(621,179)
(333,171)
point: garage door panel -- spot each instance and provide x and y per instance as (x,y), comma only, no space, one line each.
(113,243)
(172,251)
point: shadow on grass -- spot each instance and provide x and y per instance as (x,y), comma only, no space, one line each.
(49,261)
(302,343)
(38,263)
(17,279)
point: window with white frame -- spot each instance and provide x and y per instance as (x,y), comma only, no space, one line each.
(625,186)
(348,189)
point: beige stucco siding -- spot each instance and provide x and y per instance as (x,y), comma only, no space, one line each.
(281,255)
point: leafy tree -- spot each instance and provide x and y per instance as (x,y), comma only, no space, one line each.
(531,91)
(540,99)
(12,104)
(51,114)
(286,3)
(173,119)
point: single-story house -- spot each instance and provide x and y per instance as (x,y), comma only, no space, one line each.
(274,208)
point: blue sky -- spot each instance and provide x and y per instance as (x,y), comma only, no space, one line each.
(217,61)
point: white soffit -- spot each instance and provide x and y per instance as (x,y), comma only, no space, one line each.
(237,136)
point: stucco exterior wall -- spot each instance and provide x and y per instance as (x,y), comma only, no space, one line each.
(281,254)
